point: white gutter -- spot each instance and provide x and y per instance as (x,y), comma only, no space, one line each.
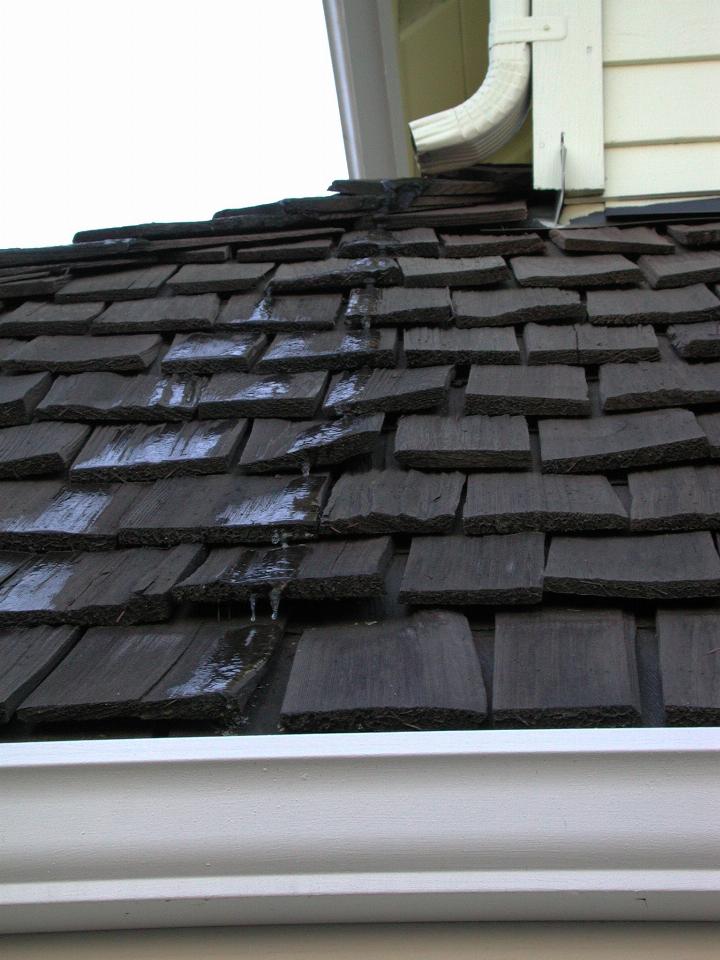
(474,130)
(520,825)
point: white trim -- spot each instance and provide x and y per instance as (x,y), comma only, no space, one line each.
(482,825)
(363,48)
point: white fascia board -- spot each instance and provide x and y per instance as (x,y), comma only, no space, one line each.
(363,47)
(479,825)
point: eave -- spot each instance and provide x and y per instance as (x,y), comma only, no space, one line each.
(527,825)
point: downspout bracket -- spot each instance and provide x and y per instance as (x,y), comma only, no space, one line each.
(526,30)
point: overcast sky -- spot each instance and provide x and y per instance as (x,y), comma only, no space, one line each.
(124,112)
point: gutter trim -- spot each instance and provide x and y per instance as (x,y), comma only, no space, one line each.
(615,824)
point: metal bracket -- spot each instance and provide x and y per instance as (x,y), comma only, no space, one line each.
(527,30)
(561,194)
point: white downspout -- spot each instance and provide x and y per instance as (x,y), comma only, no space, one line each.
(472,131)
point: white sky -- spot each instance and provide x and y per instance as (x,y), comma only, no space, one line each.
(125,111)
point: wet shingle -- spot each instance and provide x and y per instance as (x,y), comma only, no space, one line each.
(202,353)
(621,441)
(77,354)
(294,445)
(121,285)
(688,643)
(575,273)
(154,451)
(398,307)
(416,242)
(159,314)
(218,277)
(501,308)
(335,274)
(39,448)
(422,672)
(660,566)
(231,509)
(373,391)
(393,501)
(686,305)
(288,314)
(515,502)
(549,390)
(464,570)
(295,396)
(556,668)
(472,443)
(334,350)
(27,655)
(112,397)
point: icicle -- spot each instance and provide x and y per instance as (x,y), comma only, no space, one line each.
(275,595)
(253,607)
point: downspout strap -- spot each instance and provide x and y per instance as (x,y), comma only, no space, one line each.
(526,30)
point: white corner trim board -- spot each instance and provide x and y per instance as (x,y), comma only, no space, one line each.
(479,825)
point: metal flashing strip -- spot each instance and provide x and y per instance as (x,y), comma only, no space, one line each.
(481,825)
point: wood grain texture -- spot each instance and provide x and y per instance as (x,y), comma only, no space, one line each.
(335,274)
(549,390)
(161,314)
(688,642)
(202,353)
(139,452)
(515,502)
(662,566)
(33,318)
(621,441)
(559,667)
(431,346)
(676,498)
(453,271)
(477,442)
(283,314)
(681,270)
(39,448)
(632,240)
(122,285)
(398,306)
(288,395)
(20,395)
(102,587)
(690,304)
(505,307)
(387,391)
(71,354)
(575,273)
(229,509)
(488,245)
(294,445)
(27,655)
(421,671)
(218,277)
(392,501)
(696,341)
(334,350)
(112,397)
(710,425)
(459,570)
(586,344)
(657,385)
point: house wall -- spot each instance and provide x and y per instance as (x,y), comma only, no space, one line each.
(433,941)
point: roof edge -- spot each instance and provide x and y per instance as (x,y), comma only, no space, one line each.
(507,825)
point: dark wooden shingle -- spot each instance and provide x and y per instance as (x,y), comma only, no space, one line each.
(695,234)
(334,350)
(27,655)
(203,353)
(375,242)
(462,570)
(121,285)
(159,314)
(677,498)
(103,587)
(501,308)
(287,314)
(39,448)
(19,396)
(112,397)
(611,240)
(710,425)
(298,250)
(488,244)
(295,396)
(335,274)
(78,354)
(575,273)
(621,441)
(662,566)
(393,501)
(689,649)
(585,344)
(330,569)
(32,319)
(422,672)
(218,277)
(478,442)
(696,341)
(293,445)
(398,307)
(453,271)
(655,385)
(225,509)
(680,270)
(549,390)
(515,502)
(373,391)
(557,668)
(429,346)
(629,307)
(162,450)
